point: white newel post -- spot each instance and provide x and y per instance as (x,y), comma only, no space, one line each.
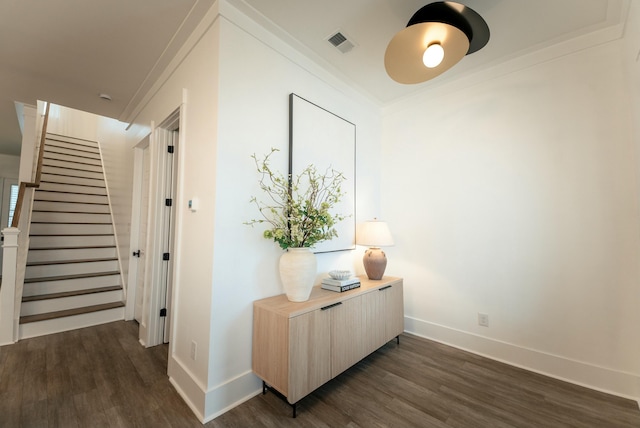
(8,326)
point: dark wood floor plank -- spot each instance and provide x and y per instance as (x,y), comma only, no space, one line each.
(35,414)
(59,382)
(101,377)
(409,416)
(62,412)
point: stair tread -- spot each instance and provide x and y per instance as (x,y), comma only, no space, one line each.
(71,234)
(70,222)
(48,165)
(76,140)
(69,193)
(82,292)
(87,247)
(65,277)
(62,156)
(49,158)
(65,262)
(70,202)
(69,212)
(67,166)
(71,176)
(89,152)
(71,184)
(55,149)
(70,312)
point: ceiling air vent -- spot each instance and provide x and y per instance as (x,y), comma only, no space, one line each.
(340,41)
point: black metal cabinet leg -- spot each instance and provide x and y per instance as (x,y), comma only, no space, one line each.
(266,388)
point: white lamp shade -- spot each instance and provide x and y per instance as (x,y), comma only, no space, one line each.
(374,234)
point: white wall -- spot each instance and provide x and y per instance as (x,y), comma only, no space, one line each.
(253,117)
(518,197)
(9,166)
(233,109)
(192,84)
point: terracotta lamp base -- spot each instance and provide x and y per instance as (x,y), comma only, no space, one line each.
(375,262)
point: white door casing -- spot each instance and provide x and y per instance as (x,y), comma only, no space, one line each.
(139,227)
(158,273)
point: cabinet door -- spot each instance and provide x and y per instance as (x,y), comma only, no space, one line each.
(346,335)
(309,353)
(394,310)
(374,319)
(270,356)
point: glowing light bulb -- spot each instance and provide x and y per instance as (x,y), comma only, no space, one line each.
(433,55)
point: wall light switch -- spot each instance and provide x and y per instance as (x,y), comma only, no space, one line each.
(193,205)
(483,319)
(194,349)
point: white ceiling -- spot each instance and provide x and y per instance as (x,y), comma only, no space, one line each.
(70,51)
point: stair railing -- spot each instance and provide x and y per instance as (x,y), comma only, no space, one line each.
(15,250)
(36,182)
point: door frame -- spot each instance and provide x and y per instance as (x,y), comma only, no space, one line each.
(152,329)
(134,239)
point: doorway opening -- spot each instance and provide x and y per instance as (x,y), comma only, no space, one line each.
(153,224)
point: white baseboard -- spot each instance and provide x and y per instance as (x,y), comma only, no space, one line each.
(231,393)
(208,404)
(189,388)
(622,384)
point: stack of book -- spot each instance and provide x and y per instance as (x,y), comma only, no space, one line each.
(340,285)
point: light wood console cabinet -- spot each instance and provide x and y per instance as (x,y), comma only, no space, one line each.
(297,347)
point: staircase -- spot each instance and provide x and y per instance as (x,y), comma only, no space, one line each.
(72,277)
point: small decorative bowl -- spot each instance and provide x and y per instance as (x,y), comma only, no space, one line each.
(340,274)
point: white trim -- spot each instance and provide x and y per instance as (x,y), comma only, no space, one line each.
(134,233)
(231,393)
(192,391)
(8,322)
(144,329)
(610,381)
(207,21)
(249,20)
(136,196)
(113,222)
(150,331)
(208,404)
(179,220)
(151,310)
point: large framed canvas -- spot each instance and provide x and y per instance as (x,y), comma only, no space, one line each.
(324,139)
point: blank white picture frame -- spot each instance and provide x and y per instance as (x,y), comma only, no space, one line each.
(321,138)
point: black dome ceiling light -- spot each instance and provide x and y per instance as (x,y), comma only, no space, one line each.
(437,37)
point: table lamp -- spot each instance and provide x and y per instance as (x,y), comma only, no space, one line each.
(374,234)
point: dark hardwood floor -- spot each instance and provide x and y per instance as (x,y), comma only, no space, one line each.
(102,377)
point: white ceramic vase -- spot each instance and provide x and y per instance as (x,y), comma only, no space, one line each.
(298,269)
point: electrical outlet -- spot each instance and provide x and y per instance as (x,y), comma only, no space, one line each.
(483,319)
(194,349)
